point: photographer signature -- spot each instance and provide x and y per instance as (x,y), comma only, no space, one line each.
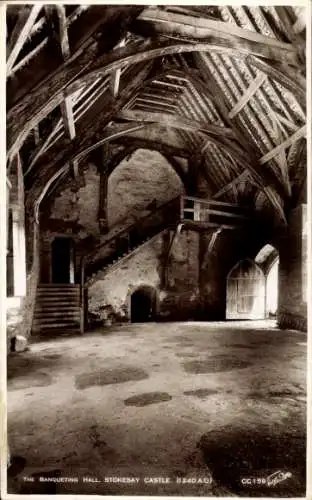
(277,477)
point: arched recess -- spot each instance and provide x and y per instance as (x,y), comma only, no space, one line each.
(167,152)
(122,130)
(143,304)
(268,259)
(144,137)
(140,184)
(245,291)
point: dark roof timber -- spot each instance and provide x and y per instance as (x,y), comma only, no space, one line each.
(227,82)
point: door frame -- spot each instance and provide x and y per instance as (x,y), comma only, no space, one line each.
(231,315)
(71,258)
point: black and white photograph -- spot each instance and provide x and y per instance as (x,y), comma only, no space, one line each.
(156,235)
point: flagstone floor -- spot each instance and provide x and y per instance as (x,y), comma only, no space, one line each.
(160,409)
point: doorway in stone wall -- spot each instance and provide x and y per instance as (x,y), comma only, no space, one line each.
(143,305)
(63,260)
(268,259)
(245,291)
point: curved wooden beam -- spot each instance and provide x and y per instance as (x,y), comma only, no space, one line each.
(100,102)
(143,139)
(121,130)
(94,125)
(116,134)
(116,159)
(175,122)
(218,135)
(70,76)
(158,21)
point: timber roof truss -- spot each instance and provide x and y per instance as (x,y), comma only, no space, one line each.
(223,86)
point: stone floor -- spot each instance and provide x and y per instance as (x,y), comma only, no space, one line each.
(161,409)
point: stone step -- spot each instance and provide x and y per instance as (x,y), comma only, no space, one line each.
(51,326)
(56,314)
(68,310)
(60,298)
(58,319)
(50,286)
(56,307)
(55,293)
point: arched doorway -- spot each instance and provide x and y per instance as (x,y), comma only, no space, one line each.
(143,305)
(268,259)
(245,291)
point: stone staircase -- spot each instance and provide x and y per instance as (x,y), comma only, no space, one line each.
(130,240)
(57,307)
(194,214)
(105,266)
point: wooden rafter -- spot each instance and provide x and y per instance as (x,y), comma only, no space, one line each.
(37,103)
(282,14)
(245,41)
(249,92)
(252,26)
(201,115)
(115,78)
(57,126)
(185,101)
(67,104)
(288,142)
(121,132)
(176,122)
(26,19)
(206,63)
(37,27)
(251,108)
(300,24)
(287,77)
(154,105)
(281,158)
(94,127)
(45,97)
(25,61)
(242,177)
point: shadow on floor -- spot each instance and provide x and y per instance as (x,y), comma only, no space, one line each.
(243,462)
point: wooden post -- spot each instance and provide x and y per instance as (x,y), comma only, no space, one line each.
(103,160)
(196,211)
(82,296)
(181,207)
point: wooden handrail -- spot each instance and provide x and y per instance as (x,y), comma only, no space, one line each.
(214,202)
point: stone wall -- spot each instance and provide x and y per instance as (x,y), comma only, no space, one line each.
(20,309)
(136,182)
(292,309)
(177,292)
(194,284)
(23,263)
(132,187)
(217,256)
